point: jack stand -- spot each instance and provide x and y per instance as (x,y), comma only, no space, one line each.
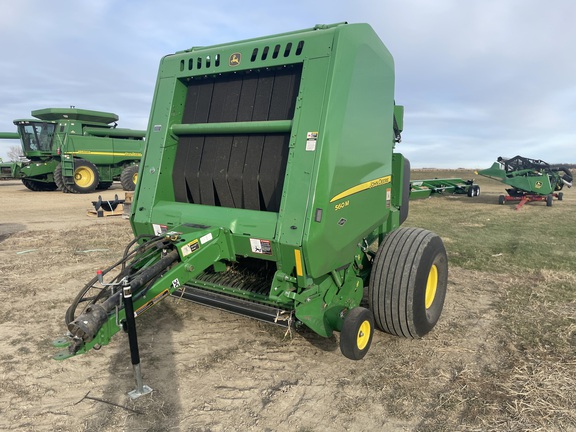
(140,389)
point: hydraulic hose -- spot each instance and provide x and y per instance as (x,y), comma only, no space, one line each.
(87,325)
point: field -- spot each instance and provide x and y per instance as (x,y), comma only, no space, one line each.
(502,358)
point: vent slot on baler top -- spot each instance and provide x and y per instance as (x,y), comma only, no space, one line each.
(236,170)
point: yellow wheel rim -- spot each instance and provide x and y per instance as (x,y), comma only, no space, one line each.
(83,176)
(363,335)
(431,285)
(135,178)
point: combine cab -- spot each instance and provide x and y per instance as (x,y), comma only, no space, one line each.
(529,180)
(269,188)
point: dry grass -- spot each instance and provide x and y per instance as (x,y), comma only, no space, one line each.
(529,381)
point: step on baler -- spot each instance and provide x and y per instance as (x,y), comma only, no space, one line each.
(529,180)
(269,187)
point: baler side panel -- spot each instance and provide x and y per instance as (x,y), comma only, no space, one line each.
(353,185)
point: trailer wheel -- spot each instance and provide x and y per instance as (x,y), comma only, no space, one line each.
(549,199)
(408,282)
(501,199)
(86,177)
(560,196)
(357,332)
(129,177)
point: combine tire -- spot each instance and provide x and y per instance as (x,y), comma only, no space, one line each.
(86,177)
(60,180)
(357,332)
(129,177)
(104,185)
(408,282)
(38,186)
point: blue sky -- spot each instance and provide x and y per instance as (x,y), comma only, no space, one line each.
(479,78)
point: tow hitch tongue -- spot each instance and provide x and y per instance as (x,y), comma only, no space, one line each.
(88,324)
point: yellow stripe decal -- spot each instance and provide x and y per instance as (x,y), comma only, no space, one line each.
(87,152)
(362,187)
(298,257)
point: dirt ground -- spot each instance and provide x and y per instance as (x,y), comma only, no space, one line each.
(214,371)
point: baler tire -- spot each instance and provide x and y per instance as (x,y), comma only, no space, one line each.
(357,332)
(408,282)
(501,199)
(476,190)
(86,177)
(470,192)
(129,177)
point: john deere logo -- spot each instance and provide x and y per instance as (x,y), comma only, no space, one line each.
(538,184)
(235,59)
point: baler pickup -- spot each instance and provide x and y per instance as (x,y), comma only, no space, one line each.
(269,187)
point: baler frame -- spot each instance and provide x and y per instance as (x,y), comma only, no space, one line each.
(272,159)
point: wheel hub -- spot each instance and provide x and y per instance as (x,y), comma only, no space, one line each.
(363,335)
(83,177)
(431,286)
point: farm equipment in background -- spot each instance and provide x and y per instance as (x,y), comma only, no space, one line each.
(529,180)
(76,151)
(8,169)
(269,188)
(426,188)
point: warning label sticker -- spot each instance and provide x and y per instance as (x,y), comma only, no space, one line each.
(159,229)
(190,247)
(311,138)
(206,238)
(261,246)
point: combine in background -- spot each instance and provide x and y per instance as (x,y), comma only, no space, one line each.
(529,180)
(8,169)
(75,150)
